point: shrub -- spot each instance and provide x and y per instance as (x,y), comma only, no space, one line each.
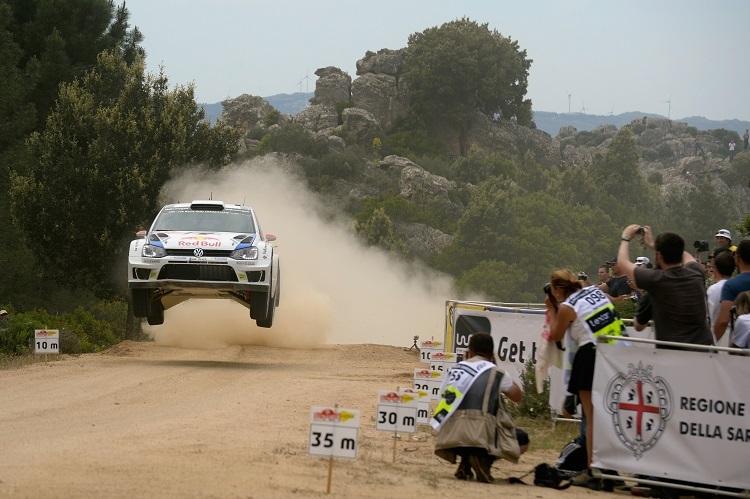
(534,405)
(272,118)
(656,178)
(292,138)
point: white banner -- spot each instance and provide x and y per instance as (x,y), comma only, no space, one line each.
(516,333)
(673,414)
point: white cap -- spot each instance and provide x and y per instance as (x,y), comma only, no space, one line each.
(724,233)
(642,260)
(3,312)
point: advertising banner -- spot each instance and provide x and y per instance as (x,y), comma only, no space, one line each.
(672,414)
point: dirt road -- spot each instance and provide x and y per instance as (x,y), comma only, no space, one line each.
(144,420)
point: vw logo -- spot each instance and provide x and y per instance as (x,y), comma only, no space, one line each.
(198,252)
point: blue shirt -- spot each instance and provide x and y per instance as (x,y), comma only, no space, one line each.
(735,286)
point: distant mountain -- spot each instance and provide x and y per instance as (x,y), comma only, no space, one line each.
(552,122)
(549,122)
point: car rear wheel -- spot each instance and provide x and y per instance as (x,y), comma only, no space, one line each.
(155,313)
(140,299)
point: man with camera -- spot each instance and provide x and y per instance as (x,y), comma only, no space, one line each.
(676,286)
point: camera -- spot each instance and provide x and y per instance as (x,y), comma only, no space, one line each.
(701,245)
(548,289)
(582,276)
(640,231)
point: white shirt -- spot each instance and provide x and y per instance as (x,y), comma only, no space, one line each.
(741,336)
(713,295)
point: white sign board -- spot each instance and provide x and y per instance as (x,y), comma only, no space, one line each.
(428,380)
(674,414)
(442,361)
(423,404)
(426,349)
(333,432)
(397,412)
(46,341)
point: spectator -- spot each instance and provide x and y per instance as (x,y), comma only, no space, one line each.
(676,286)
(746,137)
(603,274)
(733,287)
(464,428)
(724,240)
(497,116)
(575,303)
(697,147)
(741,329)
(616,288)
(722,269)
(514,119)
(731,150)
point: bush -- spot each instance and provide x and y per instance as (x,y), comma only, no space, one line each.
(534,405)
(656,178)
(272,118)
(292,138)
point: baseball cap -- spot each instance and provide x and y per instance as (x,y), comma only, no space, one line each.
(614,260)
(724,233)
(3,312)
(642,260)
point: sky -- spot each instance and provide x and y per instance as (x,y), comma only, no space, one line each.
(677,58)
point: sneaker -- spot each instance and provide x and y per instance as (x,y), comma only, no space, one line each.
(464,471)
(585,479)
(481,467)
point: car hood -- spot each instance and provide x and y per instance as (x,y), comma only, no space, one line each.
(205,240)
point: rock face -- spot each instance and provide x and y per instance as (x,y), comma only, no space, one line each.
(318,118)
(385,61)
(248,112)
(333,86)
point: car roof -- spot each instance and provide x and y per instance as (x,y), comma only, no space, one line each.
(207,205)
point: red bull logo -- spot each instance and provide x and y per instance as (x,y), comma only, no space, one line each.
(326,415)
(202,241)
(390,397)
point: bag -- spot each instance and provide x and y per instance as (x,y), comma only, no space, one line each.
(549,476)
(506,439)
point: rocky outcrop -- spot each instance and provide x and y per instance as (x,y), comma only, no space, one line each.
(385,61)
(251,112)
(382,95)
(333,86)
(318,118)
(359,126)
(423,240)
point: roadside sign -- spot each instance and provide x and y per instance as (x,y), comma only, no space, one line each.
(333,432)
(427,347)
(397,412)
(442,361)
(423,404)
(428,380)
(46,341)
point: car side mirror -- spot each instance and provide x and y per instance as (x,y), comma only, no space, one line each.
(141,234)
(270,237)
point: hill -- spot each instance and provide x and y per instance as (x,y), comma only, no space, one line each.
(547,121)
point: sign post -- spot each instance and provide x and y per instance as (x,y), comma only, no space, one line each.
(397,411)
(333,433)
(46,341)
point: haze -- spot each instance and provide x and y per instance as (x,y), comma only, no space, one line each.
(334,289)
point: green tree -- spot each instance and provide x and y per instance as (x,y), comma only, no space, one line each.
(462,66)
(498,281)
(113,140)
(378,231)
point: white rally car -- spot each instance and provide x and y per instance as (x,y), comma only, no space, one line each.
(204,249)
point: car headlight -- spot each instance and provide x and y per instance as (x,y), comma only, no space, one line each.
(245,254)
(151,251)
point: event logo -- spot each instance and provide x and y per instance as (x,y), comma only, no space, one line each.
(640,405)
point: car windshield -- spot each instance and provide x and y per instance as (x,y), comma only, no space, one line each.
(205,221)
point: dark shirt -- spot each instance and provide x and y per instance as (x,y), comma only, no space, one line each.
(678,296)
(618,286)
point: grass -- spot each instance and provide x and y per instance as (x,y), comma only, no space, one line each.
(545,434)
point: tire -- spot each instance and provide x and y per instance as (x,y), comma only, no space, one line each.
(140,299)
(155,313)
(259,305)
(268,321)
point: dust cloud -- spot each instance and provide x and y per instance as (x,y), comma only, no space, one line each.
(333,288)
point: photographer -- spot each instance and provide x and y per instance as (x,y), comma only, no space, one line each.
(676,286)
(617,288)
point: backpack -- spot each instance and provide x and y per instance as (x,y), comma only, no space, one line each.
(549,476)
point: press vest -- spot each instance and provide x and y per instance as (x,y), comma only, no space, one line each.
(596,313)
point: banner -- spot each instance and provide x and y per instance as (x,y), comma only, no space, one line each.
(673,414)
(516,332)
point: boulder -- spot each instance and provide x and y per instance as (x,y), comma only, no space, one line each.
(359,126)
(423,240)
(385,61)
(317,118)
(246,111)
(381,95)
(333,86)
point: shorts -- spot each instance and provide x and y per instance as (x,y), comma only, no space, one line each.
(582,374)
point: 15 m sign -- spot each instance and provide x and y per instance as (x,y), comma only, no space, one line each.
(46,341)
(333,432)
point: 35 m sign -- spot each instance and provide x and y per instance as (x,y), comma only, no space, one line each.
(333,432)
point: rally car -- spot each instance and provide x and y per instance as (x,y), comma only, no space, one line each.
(204,249)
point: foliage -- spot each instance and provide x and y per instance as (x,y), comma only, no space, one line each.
(377,230)
(402,210)
(656,178)
(738,172)
(496,281)
(412,144)
(461,66)
(118,134)
(92,334)
(724,137)
(292,138)
(272,118)
(336,165)
(478,165)
(534,405)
